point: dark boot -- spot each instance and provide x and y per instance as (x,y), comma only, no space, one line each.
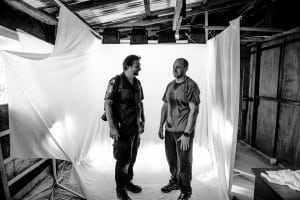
(123,195)
(133,188)
(184,196)
(169,187)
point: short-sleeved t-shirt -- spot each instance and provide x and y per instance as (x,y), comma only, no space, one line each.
(178,96)
(126,99)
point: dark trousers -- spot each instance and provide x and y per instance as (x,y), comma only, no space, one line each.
(180,162)
(125,151)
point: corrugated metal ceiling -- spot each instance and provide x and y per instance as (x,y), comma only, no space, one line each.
(108,12)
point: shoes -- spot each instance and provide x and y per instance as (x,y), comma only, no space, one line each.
(184,196)
(169,187)
(123,196)
(133,188)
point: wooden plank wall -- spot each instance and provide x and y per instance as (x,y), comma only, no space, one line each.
(249,100)
(289,118)
(14,169)
(19,176)
(245,56)
(273,101)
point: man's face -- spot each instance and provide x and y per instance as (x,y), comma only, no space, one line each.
(136,67)
(179,70)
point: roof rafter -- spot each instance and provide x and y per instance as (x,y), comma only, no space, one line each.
(177,18)
(33,12)
(92,4)
(195,11)
(147,7)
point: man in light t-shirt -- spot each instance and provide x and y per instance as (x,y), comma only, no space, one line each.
(178,114)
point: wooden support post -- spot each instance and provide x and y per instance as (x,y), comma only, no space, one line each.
(176,19)
(279,89)
(4,190)
(206,24)
(256,95)
(147,8)
(178,28)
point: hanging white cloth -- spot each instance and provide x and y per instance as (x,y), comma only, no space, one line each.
(56,100)
(31,44)
(223,99)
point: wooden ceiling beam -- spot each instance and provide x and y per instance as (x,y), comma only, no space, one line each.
(168,16)
(33,12)
(147,8)
(162,19)
(96,3)
(164,11)
(248,7)
(145,23)
(249,29)
(178,10)
(212,28)
(93,3)
(139,18)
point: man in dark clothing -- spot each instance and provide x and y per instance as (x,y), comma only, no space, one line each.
(125,115)
(179,111)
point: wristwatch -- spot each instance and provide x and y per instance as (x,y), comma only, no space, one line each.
(186,134)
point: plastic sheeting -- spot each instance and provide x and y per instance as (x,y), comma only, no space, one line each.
(56,100)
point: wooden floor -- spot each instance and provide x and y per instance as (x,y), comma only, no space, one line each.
(246,158)
(243,186)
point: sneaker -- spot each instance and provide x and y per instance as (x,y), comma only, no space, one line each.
(184,196)
(133,188)
(169,187)
(123,196)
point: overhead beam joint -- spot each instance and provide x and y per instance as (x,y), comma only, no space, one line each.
(33,12)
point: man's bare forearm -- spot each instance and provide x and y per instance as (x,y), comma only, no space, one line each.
(109,114)
(194,110)
(163,115)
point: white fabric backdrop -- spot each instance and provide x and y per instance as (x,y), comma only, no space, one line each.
(223,100)
(25,42)
(55,103)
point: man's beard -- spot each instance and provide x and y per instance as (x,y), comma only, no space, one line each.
(136,73)
(178,75)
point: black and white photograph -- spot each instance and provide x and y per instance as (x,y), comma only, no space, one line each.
(149,100)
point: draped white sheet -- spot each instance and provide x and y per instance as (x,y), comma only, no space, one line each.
(55,103)
(26,43)
(223,100)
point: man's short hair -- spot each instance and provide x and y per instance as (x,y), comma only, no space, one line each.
(128,61)
(185,62)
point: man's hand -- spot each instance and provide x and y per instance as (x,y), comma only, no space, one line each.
(141,127)
(114,134)
(161,133)
(185,142)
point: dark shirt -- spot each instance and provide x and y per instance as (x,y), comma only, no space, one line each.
(127,99)
(178,96)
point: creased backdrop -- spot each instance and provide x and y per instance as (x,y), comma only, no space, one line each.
(56,100)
